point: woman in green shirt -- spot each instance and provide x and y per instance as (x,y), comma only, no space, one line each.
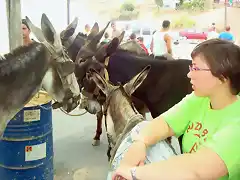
(208,119)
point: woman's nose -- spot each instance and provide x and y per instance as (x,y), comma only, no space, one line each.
(189,75)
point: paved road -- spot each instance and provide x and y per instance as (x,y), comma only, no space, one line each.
(75,157)
(183,50)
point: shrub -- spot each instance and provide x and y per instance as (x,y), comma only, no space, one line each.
(183,21)
(195,5)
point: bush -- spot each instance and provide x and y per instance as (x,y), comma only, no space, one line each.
(127,7)
(183,21)
(128,15)
(128,12)
(195,5)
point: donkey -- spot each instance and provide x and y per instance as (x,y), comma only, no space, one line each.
(165,86)
(120,114)
(73,42)
(27,69)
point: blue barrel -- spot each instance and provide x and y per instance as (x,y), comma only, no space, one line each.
(26,149)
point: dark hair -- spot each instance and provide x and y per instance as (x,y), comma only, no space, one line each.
(24,21)
(140,39)
(132,36)
(113,23)
(106,35)
(223,59)
(227,28)
(166,24)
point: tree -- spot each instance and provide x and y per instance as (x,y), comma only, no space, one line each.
(159,3)
(127,7)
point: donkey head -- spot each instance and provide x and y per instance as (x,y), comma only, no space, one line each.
(93,56)
(91,46)
(118,105)
(121,115)
(60,81)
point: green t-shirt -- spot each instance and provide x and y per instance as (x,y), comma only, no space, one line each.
(203,126)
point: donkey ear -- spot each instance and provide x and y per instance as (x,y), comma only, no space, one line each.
(69,31)
(136,81)
(96,39)
(99,80)
(35,30)
(93,32)
(48,29)
(120,38)
(112,46)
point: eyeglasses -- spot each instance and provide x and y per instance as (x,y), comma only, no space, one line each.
(194,68)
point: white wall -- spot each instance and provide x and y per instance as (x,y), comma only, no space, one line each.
(56,11)
(4,46)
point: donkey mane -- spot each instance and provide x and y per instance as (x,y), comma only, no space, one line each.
(2,58)
(133,55)
(119,50)
(19,57)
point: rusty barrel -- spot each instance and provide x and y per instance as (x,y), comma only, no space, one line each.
(26,148)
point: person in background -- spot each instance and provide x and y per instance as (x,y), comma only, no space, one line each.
(140,41)
(132,37)
(87,29)
(161,41)
(227,35)
(106,39)
(212,32)
(128,32)
(115,31)
(26,33)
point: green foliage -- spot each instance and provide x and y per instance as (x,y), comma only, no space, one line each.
(127,7)
(159,3)
(195,5)
(128,15)
(183,21)
(128,12)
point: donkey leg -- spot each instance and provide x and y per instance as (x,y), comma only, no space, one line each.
(96,139)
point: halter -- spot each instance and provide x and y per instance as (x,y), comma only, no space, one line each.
(55,55)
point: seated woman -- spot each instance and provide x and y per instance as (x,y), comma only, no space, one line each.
(208,119)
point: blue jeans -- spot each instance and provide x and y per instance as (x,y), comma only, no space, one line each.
(160,151)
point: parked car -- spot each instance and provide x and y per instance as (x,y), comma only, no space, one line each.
(194,34)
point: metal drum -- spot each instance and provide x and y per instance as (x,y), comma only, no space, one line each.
(26,149)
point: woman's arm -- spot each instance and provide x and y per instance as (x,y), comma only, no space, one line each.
(218,157)
(153,132)
(172,122)
(202,165)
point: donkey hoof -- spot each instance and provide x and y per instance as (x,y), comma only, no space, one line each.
(96,142)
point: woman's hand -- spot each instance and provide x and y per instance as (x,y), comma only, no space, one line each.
(122,173)
(135,156)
